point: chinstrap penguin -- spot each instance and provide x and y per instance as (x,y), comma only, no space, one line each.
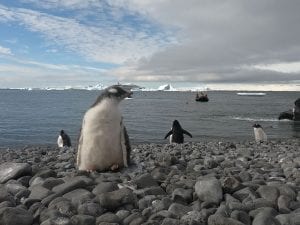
(259,134)
(103,140)
(176,133)
(63,139)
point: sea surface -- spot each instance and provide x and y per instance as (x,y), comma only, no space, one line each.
(36,117)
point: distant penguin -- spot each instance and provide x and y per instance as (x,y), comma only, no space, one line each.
(63,139)
(260,135)
(176,133)
(103,140)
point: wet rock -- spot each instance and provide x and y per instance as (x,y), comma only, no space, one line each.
(170,221)
(108,218)
(63,206)
(182,195)
(15,216)
(284,204)
(113,200)
(79,196)
(51,182)
(179,209)
(231,184)
(10,170)
(39,192)
(90,208)
(83,220)
(68,186)
(218,219)
(241,216)
(129,219)
(122,214)
(263,218)
(47,214)
(155,190)
(209,190)
(58,221)
(105,187)
(269,193)
(145,180)
(193,217)
(5,196)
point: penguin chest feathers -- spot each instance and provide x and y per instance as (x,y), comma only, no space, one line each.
(260,135)
(103,120)
(101,136)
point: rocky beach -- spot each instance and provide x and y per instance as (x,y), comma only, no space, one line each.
(215,183)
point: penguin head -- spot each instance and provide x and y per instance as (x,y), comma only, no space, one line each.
(115,92)
(176,125)
(256,125)
(62,132)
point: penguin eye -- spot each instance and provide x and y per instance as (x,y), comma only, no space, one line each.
(112,90)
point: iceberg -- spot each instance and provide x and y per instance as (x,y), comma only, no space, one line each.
(166,87)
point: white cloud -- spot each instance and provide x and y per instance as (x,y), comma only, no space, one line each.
(292,67)
(27,73)
(105,42)
(209,41)
(5,51)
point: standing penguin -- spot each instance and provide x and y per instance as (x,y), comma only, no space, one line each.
(63,139)
(103,142)
(176,133)
(260,135)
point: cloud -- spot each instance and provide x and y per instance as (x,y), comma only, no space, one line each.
(217,41)
(17,72)
(106,42)
(5,51)
(21,73)
(293,67)
(68,4)
(174,40)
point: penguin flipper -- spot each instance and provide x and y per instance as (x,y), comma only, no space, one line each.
(66,140)
(187,133)
(168,134)
(125,146)
(80,140)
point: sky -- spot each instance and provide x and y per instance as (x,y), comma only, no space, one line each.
(229,44)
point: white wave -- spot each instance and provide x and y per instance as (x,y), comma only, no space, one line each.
(255,119)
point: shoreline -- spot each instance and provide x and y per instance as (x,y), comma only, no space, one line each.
(163,142)
(194,183)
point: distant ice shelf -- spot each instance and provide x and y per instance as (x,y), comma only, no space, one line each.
(251,93)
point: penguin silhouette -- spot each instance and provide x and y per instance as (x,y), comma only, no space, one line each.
(176,133)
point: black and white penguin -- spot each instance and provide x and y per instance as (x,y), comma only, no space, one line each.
(103,141)
(176,133)
(259,134)
(63,139)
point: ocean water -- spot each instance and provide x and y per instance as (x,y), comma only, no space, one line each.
(36,117)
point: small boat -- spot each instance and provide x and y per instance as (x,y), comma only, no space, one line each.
(201,98)
(251,93)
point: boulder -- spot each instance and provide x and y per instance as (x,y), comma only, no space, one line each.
(15,216)
(209,190)
(10,170)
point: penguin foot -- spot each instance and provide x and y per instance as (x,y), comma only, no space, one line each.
(90,169)
(114,167)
